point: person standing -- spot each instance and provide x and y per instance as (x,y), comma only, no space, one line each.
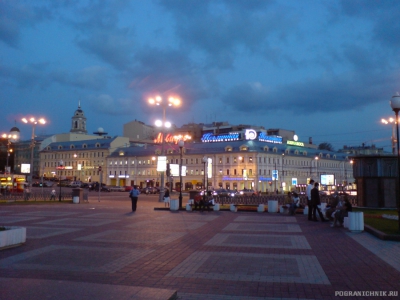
(316,202)
(53,195)
(310,186)
(134,194)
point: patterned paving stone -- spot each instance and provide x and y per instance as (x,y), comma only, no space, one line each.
(191,216)
(133,237)
(10,219)
(46,213)
(387,250)
(259,241)
(74,258)
(43,232)
(191,296)
(79,222)
(266,219)
(108,215)
(252,267)
(167,225)
(262,227)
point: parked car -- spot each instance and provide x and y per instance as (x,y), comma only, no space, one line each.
(246,192)
(103,189)
(117,188)
(223,193)
(128,188)
(149,190)
(75,184)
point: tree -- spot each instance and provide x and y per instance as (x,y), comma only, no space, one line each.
(325,146)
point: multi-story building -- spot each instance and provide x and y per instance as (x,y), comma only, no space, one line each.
(234,161)
(79,160)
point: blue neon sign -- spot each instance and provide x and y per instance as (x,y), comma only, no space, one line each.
(262,137)
(210,138)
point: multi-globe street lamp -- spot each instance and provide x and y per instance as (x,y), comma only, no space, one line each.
(205,161)
(395,104)
(181,143)
(9,137)
(171,101)
(34,122)
(393,138)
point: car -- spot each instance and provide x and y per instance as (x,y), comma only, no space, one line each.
(117,188)
(149,190)
(223,193)
(246,192)
(75,184)
(103,189)
(128,188)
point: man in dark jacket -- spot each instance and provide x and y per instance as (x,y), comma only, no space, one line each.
(315,201)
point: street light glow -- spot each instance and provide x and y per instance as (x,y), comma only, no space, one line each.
(158,123)
(167,124)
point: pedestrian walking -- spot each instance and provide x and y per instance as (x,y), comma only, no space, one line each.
(310,186)
(53,195)
(134,194)
(316,204)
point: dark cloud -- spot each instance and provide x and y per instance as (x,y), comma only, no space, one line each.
(327,94)
(16,15)
(28,76)
(168,71)
(89,78)
(223,29)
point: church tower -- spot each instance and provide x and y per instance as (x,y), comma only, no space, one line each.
(78,121)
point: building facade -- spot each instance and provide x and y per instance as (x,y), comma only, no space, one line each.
(232,165)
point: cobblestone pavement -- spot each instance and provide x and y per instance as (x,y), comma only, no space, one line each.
(101,250)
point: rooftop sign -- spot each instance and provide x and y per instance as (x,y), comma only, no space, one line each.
(293,143)
(210,138)
(275,139)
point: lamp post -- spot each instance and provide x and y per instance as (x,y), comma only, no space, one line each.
(181,143)
(282,180)
(275,175)
(395,104)
(393,138)
(8,137)
(34,122)
(60,167)
(206,184)
(164,104)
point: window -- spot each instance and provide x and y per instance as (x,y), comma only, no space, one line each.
(250,171)
(227,160)
(227,171)
(234,171)
(250,159)
(220,160)
(234,160)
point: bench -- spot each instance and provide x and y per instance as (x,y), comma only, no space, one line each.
(189,206)
(258,207)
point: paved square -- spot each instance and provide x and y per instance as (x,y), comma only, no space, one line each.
(262,227)
(190,216)
(265,218)
(132,237)
(45,232)
(259,241)
(74,258)
(79,222)
(11,219)
(110,215)
(39,213)
(167,225)
(252,267)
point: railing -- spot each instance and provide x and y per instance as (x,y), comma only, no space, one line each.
(39,196)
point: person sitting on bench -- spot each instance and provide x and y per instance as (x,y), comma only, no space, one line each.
(295,204)
(198,202)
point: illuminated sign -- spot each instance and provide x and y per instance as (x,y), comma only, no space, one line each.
(250,134)
(209,167)
(26,168)
(294,181)
(275,139)
(162,164)
(169,138)
(294,143)
(209,137)
(327,179)
(265,178)
(79,167)
(232,178)
(174,168)
(275,175)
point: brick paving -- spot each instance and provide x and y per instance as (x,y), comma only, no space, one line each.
(101,250)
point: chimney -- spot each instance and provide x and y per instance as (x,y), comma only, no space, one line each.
(310,140)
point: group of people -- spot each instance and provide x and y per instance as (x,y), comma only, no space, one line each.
(336,210)
(201,202)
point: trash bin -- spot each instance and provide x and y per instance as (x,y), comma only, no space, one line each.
(174,204)
(77,195)
(272,206)
(356,221)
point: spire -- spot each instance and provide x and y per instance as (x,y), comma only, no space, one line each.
(79,103)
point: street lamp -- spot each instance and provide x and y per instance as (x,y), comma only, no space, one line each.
(393,138)
(158,100)
(282,178)
(34,122)
(60,167)
(181,143)
(8,137)
(395,104)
